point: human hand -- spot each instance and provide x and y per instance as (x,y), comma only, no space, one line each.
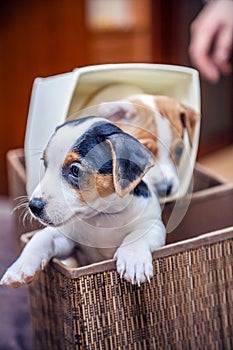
(212,39)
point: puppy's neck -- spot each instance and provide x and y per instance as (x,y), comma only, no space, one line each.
(116,211)
(109,205)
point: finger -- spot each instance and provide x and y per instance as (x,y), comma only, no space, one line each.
(200,51)
(223,49)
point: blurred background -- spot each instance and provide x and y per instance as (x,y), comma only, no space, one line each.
(41,38)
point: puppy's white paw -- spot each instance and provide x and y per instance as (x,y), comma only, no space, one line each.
(134,264)
(22,272)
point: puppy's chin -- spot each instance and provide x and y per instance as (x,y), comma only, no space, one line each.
(43,220)
(59,222)
(46,222)
(56,223)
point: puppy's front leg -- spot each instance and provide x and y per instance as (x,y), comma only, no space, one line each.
(43,246)
(134,256)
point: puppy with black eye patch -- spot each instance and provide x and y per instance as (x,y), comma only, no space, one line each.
(94,194)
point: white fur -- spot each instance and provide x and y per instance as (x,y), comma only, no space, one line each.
(146,99)
(127,228)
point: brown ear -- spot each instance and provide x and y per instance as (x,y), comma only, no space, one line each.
(189,119)
(145,137)
(130,159)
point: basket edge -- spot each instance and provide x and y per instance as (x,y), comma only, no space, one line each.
(163,252)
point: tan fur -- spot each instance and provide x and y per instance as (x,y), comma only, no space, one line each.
(139,120)
(144,136)
(70,158)
(174,111)
(141,125)
(191,120)
(114,169)
(104,185)
(45,158)
(94,186)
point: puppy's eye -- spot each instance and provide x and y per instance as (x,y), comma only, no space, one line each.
(74,170)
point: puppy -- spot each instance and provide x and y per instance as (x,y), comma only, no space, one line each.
(95,194)
(163,125)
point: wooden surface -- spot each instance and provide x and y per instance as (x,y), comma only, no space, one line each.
(220,162)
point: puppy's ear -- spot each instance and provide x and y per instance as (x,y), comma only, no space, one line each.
(189,119)
(116,111)
(130,159)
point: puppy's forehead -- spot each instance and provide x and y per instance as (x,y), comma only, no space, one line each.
(66,136)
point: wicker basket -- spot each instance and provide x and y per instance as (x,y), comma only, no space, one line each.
(187,305)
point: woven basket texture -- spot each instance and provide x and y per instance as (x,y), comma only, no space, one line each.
(187,305)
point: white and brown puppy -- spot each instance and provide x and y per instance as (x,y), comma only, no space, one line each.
(94,194)
(162,124)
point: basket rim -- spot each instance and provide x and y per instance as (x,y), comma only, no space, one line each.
(163,252)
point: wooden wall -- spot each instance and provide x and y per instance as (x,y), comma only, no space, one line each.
(107,44)
(37,38)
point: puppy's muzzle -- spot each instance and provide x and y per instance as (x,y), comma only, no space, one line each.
(37,206)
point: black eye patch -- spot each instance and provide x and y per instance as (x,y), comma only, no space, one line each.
(92,148)
(73,174)
(96,135)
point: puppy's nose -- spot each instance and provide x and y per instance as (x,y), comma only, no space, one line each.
(164,189)
(36,206)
